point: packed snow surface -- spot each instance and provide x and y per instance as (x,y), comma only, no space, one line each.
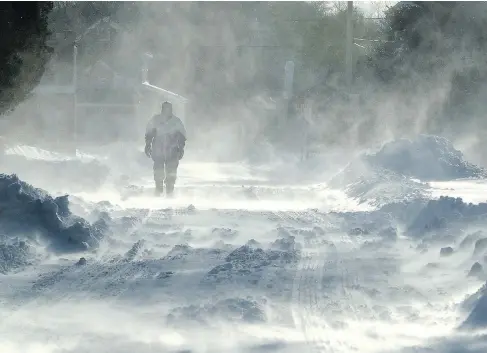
(391,259)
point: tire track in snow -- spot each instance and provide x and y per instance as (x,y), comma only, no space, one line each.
(314,304)
(305,301)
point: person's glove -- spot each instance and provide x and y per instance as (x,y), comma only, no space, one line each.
(148,150)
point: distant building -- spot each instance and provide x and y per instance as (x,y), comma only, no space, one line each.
(87,98)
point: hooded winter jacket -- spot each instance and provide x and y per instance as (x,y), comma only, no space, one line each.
(167,137)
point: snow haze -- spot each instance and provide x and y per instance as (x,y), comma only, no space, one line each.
(242,261)
(373,242)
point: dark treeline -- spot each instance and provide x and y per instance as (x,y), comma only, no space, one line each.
(427,39)
(23,49)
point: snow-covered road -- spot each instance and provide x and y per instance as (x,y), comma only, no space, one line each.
(240,261)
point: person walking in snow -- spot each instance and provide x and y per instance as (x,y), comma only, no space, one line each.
(165,139)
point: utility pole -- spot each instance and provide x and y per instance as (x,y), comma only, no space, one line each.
(349,46)
(288,86)
(75,98)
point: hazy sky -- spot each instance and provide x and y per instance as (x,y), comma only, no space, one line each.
(372,7)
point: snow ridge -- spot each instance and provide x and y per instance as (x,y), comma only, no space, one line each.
(32,215)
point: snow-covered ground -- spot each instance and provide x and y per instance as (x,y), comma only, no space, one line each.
(383,257)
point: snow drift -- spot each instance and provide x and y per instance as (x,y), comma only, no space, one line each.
(477,319)
(48,170)
(233,310)
(388,174)
(425,158)
(13,256)
(441,220)
(33,216)
(36,153)
(421,217)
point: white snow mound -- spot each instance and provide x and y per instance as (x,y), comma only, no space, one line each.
(398,169)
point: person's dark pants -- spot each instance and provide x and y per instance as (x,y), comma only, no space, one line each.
(165,172)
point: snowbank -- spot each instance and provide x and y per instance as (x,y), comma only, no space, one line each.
(387,175)
(251,266)
(14,255)
(231,309)
(425,158)
(421,217)
(63,174)
(439,213)
(478,314)
(32,215)
(383,187)
(36,153)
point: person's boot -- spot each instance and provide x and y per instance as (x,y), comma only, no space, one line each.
(169,190)
(159,189)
